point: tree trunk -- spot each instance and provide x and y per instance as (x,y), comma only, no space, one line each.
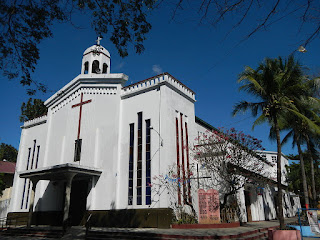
(279,185)
(313,184)
(225,199)
(194,213)
(303,173)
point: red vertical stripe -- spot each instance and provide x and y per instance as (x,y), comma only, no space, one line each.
(80,113)
(188,168)
(178,161)
(182,161)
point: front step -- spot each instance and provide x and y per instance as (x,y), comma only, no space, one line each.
(33,232)
(100,234)
(95,235)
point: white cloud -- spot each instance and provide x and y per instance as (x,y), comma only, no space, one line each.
(120,65)
(156,69)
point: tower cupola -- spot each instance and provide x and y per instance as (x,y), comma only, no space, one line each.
(96,60)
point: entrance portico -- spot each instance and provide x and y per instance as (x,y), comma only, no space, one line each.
(64,173)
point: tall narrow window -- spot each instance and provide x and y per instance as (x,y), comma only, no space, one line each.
(34,149)
(38,150)
(25,180)
(178,161)
(148,162)
(28,159)
(139,161)
(31,167)
(188,166)
(131,163)
(24,190)
(86,68)
(182,161)
(77,150)
(104,68)
(28,193)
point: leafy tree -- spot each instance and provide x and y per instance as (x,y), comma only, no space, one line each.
(313,139)
(24,24)
(294,173)
(314,168)
(224,156)
(32,109)
(228,156)
(277,84)
(2,184)
(8,152)
(173,185)
(301,132)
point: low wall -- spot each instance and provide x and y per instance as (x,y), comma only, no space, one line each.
(4,206)
(198,226)
(52,218)
(143,218)
(133,218)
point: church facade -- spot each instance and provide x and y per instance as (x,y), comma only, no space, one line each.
(100,145)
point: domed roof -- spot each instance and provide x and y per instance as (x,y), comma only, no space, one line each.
(98,49)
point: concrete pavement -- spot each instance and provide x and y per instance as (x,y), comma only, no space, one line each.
(79,232)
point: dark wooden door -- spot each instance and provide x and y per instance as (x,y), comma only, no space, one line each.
(248,205)
(78,201)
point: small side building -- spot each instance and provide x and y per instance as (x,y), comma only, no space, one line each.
(7,170)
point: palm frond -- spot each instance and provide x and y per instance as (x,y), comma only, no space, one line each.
(313,127)
(243,106)
(287,138)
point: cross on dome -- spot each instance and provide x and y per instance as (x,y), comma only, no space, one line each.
(98,40)
(96,59)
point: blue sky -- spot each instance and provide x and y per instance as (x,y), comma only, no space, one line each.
(196,54)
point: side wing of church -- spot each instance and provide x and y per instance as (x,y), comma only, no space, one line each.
(100,146)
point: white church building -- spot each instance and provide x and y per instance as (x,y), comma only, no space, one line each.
(100,145)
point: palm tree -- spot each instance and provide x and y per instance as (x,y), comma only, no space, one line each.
(311,138)
(297,133)
(301,135)
(301,132)
(277,84)
(311,151)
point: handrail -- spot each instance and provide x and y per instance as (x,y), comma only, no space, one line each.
(2,221)
(88,225)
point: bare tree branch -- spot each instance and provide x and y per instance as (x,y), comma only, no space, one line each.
(265,20)
(313,35)
(178,5)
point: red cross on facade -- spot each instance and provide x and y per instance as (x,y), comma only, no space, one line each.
(80,112)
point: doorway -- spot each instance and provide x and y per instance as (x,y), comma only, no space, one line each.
(248,205)
(78,201)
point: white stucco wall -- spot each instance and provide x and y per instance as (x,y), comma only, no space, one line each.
(271,157)
(162,105)
(31,137)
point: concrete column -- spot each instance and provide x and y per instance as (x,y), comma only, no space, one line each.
(34,184)
(65,221)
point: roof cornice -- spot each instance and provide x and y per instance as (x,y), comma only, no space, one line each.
(87,79)
(158,80)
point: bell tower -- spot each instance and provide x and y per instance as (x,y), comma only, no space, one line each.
(96,60)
